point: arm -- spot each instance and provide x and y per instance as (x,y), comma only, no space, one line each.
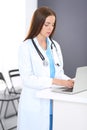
(26,70)
(63,79)
(61,82)
(60,71)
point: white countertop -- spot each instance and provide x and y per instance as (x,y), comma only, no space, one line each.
(48,94)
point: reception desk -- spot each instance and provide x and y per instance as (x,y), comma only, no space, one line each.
(69,111)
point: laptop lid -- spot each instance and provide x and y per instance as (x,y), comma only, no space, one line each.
(81,79)
(79,85)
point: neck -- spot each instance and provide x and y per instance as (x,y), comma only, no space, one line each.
(42,41)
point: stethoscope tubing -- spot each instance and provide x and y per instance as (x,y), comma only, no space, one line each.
(41,55)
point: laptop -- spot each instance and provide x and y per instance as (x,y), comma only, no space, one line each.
(80,83)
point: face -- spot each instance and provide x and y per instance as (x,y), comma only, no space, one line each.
(48,26)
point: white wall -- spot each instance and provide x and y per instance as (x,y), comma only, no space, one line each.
(15,16)
(30,7)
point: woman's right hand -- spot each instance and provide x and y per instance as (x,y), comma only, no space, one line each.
(67,83)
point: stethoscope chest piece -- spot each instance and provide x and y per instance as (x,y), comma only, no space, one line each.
(45,63)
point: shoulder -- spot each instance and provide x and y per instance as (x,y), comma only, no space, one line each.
(25,48)
(54,41)
(24,45)
(56,44)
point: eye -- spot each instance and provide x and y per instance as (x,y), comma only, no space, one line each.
(46,24)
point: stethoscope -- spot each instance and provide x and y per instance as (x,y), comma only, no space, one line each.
(54,51)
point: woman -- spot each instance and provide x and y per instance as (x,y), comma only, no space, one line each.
(41,66)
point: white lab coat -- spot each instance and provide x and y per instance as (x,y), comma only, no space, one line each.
(33,113)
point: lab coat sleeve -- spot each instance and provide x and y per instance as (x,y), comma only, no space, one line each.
(60,58)
(26,70)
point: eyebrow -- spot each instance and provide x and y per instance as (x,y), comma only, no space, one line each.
(48,23)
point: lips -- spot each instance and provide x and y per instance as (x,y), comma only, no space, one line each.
(48,33)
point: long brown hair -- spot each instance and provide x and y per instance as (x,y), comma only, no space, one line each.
(38,20)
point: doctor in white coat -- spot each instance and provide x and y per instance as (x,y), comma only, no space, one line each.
(41,66)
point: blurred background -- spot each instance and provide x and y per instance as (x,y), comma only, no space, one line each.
(71,32)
